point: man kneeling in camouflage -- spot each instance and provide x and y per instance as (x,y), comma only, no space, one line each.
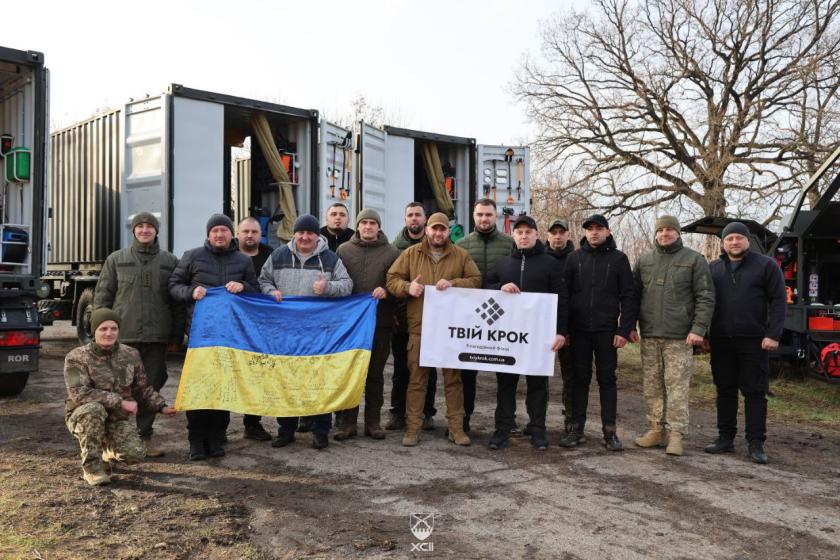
(105,382)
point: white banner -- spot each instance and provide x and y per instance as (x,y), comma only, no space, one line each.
(488,330)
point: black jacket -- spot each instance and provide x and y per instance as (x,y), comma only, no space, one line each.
(561,254)
(335,241)
(749,302)
(533,270)
(210,267)
(600,284)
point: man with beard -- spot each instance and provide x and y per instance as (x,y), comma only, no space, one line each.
(368,256)
(217,263)
(747,324)
(336,231)
(249,233)
(435,261)
(602,314)
(411,234)
(486,245)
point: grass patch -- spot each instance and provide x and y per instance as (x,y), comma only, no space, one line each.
(806,401)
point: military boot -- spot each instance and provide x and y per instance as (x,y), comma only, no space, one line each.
(410,438)
(573,437)
(96,477)
(722,444)
(654,437)
(346,424)
(395,422)
(197,451)
(611,441)
(675,444)
(152,450)
(372,427)
(459,437)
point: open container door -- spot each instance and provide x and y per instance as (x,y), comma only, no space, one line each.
(374,157)
(336,177)
(145,177)
(503,174)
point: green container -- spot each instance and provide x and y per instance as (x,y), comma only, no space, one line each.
(18,164)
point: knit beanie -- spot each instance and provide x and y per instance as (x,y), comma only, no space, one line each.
(101,315)
(307,222)
(735,227)
(145,218)
(219,220)
(667,222)
(368,214)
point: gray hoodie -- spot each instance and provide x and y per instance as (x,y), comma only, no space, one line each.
(286,271)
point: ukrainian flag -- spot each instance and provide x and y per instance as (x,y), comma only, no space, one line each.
(303,356)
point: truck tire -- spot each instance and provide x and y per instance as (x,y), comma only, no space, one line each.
(83,311)
(13,383)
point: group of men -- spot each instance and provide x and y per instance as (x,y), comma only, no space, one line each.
(733,307)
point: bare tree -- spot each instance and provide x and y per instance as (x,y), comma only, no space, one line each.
(712,106)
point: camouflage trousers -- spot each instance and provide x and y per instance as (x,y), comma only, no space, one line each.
(103,438)
(667,365)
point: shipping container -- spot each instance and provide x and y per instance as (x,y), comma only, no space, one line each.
(399,165)
(176,155)
(23,125)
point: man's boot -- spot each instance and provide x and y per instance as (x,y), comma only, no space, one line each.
(654,437)
(410,438)
(675,444)
(346,424)
(96,477)
(573,437)
(456,432)
(257,432)
(372,428)
(757,453)
(721,445)
(152,450)
(197,452)
(395,422)
(214,448)
(611,441)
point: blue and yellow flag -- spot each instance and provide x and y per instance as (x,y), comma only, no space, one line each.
(303,356)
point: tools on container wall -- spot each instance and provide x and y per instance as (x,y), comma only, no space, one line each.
(494,180)
(509,159)
(347,165)
(519,179)
(331,170)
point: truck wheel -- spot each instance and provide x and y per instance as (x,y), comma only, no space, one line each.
(13,383)
(83,311)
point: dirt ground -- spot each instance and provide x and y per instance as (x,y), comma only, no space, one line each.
(354,499)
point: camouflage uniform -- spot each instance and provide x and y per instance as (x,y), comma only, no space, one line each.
(98,380)
(668,364)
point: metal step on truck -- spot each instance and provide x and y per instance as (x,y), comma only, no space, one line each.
(807,249)
(23,151)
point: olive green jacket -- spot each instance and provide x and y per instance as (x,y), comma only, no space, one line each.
(486,249)
(675,292)
(134,282)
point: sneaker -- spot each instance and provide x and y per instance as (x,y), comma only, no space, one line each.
(282,440)
(215,449)
(499,440)
(305,425)
(757,453)
(720,445)
(428,423)
(197,452)
(96,478)
(257,432)
(320,441)
(612,442)
(395,423)
(538,440)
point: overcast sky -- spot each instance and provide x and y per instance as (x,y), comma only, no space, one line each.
(440,66)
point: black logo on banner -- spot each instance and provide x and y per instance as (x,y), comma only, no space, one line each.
(490,311)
